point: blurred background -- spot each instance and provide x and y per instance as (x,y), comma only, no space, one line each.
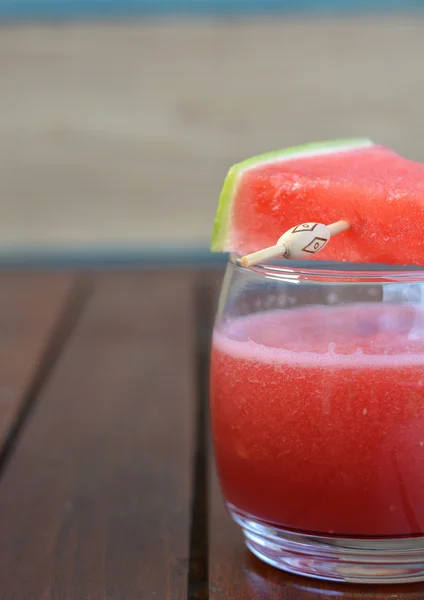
(120,118)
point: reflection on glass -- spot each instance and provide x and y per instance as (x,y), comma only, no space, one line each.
(266,582)
(317,412)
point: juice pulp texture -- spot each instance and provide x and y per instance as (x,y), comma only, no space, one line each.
(318,418)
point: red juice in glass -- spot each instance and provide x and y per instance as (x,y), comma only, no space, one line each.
(318,418)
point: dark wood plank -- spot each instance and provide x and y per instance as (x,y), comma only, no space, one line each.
(207,285)
(31,306)
(95,502)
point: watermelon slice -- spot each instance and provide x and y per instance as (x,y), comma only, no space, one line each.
(379,192)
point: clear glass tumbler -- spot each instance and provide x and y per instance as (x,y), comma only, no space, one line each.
(317,414)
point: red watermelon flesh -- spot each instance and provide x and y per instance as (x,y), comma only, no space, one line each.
(379,192)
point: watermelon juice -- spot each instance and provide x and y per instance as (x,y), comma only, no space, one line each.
(318,418)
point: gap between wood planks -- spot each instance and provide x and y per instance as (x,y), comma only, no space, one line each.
(198,580)
(73,307)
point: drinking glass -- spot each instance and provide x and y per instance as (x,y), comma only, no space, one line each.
(317,416)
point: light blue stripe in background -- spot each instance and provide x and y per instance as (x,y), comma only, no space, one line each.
(98,257)
(81,9)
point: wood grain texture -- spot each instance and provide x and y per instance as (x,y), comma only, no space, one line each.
(207,286)
(31,308)
(95,501)
(107,128)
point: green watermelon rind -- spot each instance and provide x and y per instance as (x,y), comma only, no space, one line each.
(222,224)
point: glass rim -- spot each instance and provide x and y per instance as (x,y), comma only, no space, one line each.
(331,271)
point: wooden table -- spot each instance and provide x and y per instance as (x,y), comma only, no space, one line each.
(107,484)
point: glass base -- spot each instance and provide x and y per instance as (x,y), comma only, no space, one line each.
(356,560)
